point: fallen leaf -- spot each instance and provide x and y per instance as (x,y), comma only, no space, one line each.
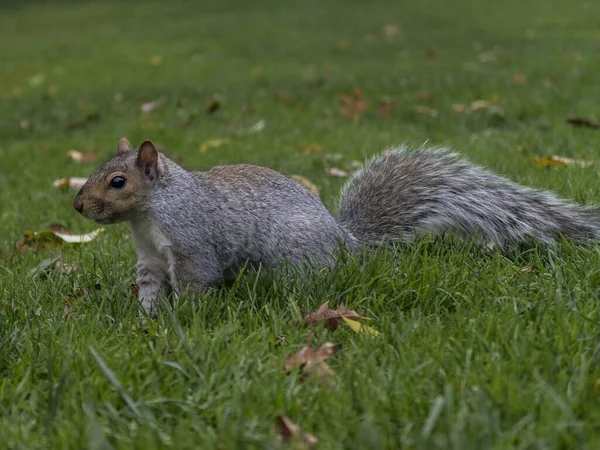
(353,106)
(287,97)
(312,362)
(358,327)
(555,160)
(156,60)
(311,148)
(78,156)
(518,78)
(527,269)
(256,71)
(343,44)
(155,104)
(479,104)
(78,124)
(331,317)
(118,97)
(425,111)
(583,122)
(386,106)
(214,105)
(390,31)
(256,128)
(24,124)
(292,433)
(213,143)
(69,183)
(431,52)
(422,95)
(459,108)
(59,228)
(334,171)
(551,80)
(306,183)
(135,290)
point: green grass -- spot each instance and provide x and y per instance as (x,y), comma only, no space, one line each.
(475,353)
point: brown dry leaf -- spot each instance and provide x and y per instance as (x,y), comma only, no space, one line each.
(390,31)
(343,44)
(386,106)
(527,269)
(78,124)
(334,171)
(518,78)
(78,156)
(555,160)
(135,290)
(312,362)
(59,228)
(551,80)
(69,183)
(431,52)
(155,104)
(214,105)
(306,183)
(425,111)
(311,148)
(353,106)
(331,317)
(292,433)
(583,122)
(422,95)
(460,108)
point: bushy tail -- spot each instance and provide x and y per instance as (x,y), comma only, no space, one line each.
(430,191)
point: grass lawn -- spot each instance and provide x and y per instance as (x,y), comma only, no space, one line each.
(478,350)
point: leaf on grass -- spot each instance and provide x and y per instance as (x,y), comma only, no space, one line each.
(555,160)
(431,52)
(583,122)
(331,317)
(390,31)
(306,183)
(312,362)
(292,433)
(343,44)
(78,156)
(78,124)
(52,239)
(135,290)
(518,78)
(311,148)
(425,111)
(358,327)
(386,106)
(334,171)
(255,128)
(69,183)
(213,143)
(214,105)
(353,106)
(155,104)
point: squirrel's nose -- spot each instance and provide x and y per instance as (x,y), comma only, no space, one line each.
(78,205)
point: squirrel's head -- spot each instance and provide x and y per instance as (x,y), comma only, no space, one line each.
(119,188)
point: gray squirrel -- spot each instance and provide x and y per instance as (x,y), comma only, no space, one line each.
(194,229)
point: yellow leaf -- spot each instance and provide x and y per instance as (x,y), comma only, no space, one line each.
(555,160)
(213,143)
(358,327)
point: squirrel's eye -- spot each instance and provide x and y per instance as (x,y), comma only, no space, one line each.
(117,182)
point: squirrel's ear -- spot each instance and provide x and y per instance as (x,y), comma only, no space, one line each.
(124,145)
(147,159)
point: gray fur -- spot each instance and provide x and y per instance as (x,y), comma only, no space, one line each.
(197,228)
(406,193)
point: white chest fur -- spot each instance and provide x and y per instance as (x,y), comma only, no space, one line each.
(154,249)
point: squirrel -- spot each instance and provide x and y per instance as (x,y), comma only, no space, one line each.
(194,229)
